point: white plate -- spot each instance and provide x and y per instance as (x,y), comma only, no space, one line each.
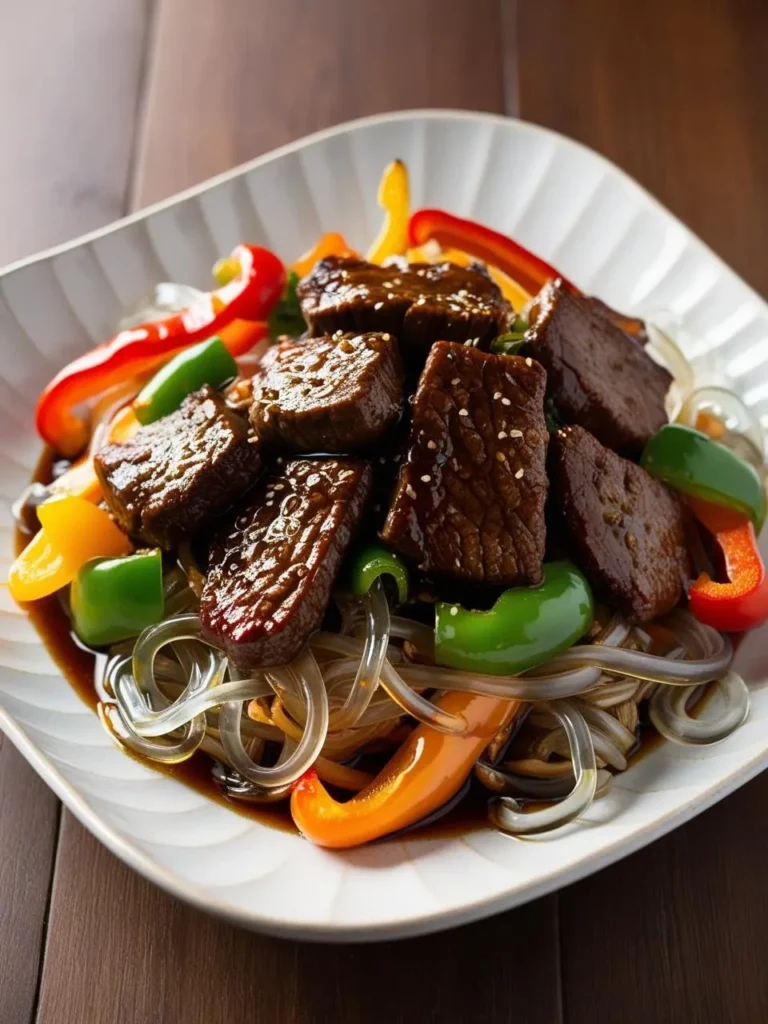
(576,210)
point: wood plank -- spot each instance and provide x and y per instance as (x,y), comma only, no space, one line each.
(675,92)
(68,88)
(28,828)
(268,73)
(122,951)
(140,954)
(69,77)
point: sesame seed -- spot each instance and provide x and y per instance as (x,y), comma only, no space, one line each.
(455,308)
(496,396)
(454,610)
(529,361)
(386,284)
(377,508)
(279,460)
(432,445)
(519,474)
(410,491)
(463,412)
(391,295)
(505,401)
(426,478)
(385,337)
(378,305)
(396,458)
(382,459)
(279,487)
(270,494)
(515,433)
(270,504)
(398,280)
(501,435)
(476,341)
(501,457)
(455,381)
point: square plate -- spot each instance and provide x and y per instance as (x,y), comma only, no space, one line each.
(576,210)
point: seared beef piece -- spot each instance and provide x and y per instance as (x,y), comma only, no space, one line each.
(469,500)
(597,375)
(625,528)
(164,482)
(419,303)
(270,576)
(328,394)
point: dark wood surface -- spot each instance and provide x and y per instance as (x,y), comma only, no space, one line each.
(110,104)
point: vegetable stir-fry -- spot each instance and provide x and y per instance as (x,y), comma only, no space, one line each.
(402,526)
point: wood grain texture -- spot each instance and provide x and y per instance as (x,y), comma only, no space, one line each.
(69,81)
(268,73)
(674,92)
(28,826)
(121,951)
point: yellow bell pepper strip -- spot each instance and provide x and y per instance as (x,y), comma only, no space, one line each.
(329,244)
(484,244)
(394,199)
(249,296)
(425,772)
(73,531)
(742,602)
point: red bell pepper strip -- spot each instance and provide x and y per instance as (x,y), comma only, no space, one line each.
(742,602)
(484,244)
(249,297)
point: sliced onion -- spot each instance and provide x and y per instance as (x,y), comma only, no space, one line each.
(669,714)
(505,812)
(166,298)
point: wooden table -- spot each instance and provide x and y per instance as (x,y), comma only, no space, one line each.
(110,104)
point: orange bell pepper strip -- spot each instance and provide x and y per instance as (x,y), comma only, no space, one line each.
(742,602)
(394,199)
(329,244)
(73,531)
(251,295)
(426,771)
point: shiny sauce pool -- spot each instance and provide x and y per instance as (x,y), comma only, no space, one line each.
(466,813)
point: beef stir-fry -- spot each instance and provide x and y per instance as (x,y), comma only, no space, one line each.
(401,525)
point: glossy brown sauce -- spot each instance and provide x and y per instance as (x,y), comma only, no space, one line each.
(78,666)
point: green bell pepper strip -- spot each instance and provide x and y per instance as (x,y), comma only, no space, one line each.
(375,561)
(206,363)
(526,627)
(694,464)
(113,599)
